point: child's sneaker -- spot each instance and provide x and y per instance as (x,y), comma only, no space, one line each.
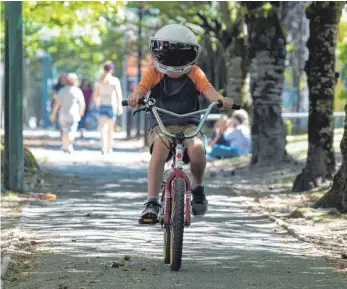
(150,213)
(199,203)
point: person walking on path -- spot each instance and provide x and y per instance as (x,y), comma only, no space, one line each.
(70,104)
(87,91)
(107,97)
(59,85)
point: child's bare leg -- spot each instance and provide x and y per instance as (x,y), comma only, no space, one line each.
(196,153)
(155,176)
(156,167)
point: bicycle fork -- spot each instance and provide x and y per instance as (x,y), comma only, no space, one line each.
(169,191)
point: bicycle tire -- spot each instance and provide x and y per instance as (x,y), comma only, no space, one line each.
(177,224)
(167,243)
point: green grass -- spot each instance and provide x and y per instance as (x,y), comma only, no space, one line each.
(304,137)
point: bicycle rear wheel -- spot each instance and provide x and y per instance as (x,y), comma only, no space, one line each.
(177,224)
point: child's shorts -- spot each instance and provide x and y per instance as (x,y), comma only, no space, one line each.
(106,111)
(157,134)
(68,126)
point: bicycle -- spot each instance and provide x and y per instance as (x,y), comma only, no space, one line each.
(176,193)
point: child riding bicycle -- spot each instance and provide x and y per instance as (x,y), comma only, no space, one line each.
(175,83)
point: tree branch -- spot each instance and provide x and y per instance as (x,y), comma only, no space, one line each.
(225,12)
(206,25)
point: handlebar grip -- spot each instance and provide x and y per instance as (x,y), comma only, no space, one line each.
(235,106)
(141,101)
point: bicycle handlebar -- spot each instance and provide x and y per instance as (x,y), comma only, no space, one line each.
(141,101)
(149,104)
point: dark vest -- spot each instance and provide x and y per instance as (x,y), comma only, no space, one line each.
(177,95)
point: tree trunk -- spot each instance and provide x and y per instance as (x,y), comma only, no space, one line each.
(237,67)
(295,23)
(320,69)
(206,63)
(205,60)
(235,77)
(219,68)
(267,60)
(337,196)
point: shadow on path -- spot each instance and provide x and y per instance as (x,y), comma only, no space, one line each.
(94,220)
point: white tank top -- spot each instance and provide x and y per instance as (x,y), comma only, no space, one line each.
(108,92)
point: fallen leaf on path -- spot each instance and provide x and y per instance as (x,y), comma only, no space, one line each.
(305,198)
(48,196)
(127,258)
(296,214)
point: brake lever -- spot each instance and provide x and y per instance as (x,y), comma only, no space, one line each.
(143,108)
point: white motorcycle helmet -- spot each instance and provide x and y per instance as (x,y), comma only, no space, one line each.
(174,48)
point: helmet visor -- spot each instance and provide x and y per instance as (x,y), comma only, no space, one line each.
(173,54)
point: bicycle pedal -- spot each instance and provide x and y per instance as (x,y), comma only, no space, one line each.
(148,221)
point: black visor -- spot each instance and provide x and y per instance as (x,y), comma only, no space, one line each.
(173,54)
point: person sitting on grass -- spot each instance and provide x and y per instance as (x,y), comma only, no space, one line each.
(235,135)
(238,133)
(70,104)
(218,142)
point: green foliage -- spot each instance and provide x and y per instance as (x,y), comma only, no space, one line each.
(342,95)
(75,33)
(67,21)
(30,163)
(342,39)
(215,19)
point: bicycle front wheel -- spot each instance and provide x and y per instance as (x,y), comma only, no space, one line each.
(177,224)
(167,242)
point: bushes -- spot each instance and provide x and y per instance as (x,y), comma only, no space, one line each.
(30,164)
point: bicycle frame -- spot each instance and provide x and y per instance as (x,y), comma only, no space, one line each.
(177,165)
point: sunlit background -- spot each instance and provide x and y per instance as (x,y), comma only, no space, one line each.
(78,36)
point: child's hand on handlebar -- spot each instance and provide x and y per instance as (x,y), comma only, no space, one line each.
(227,103)
(134,99)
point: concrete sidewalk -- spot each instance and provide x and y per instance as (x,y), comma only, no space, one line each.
(94,222)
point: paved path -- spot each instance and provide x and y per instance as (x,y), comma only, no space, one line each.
(94,221)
